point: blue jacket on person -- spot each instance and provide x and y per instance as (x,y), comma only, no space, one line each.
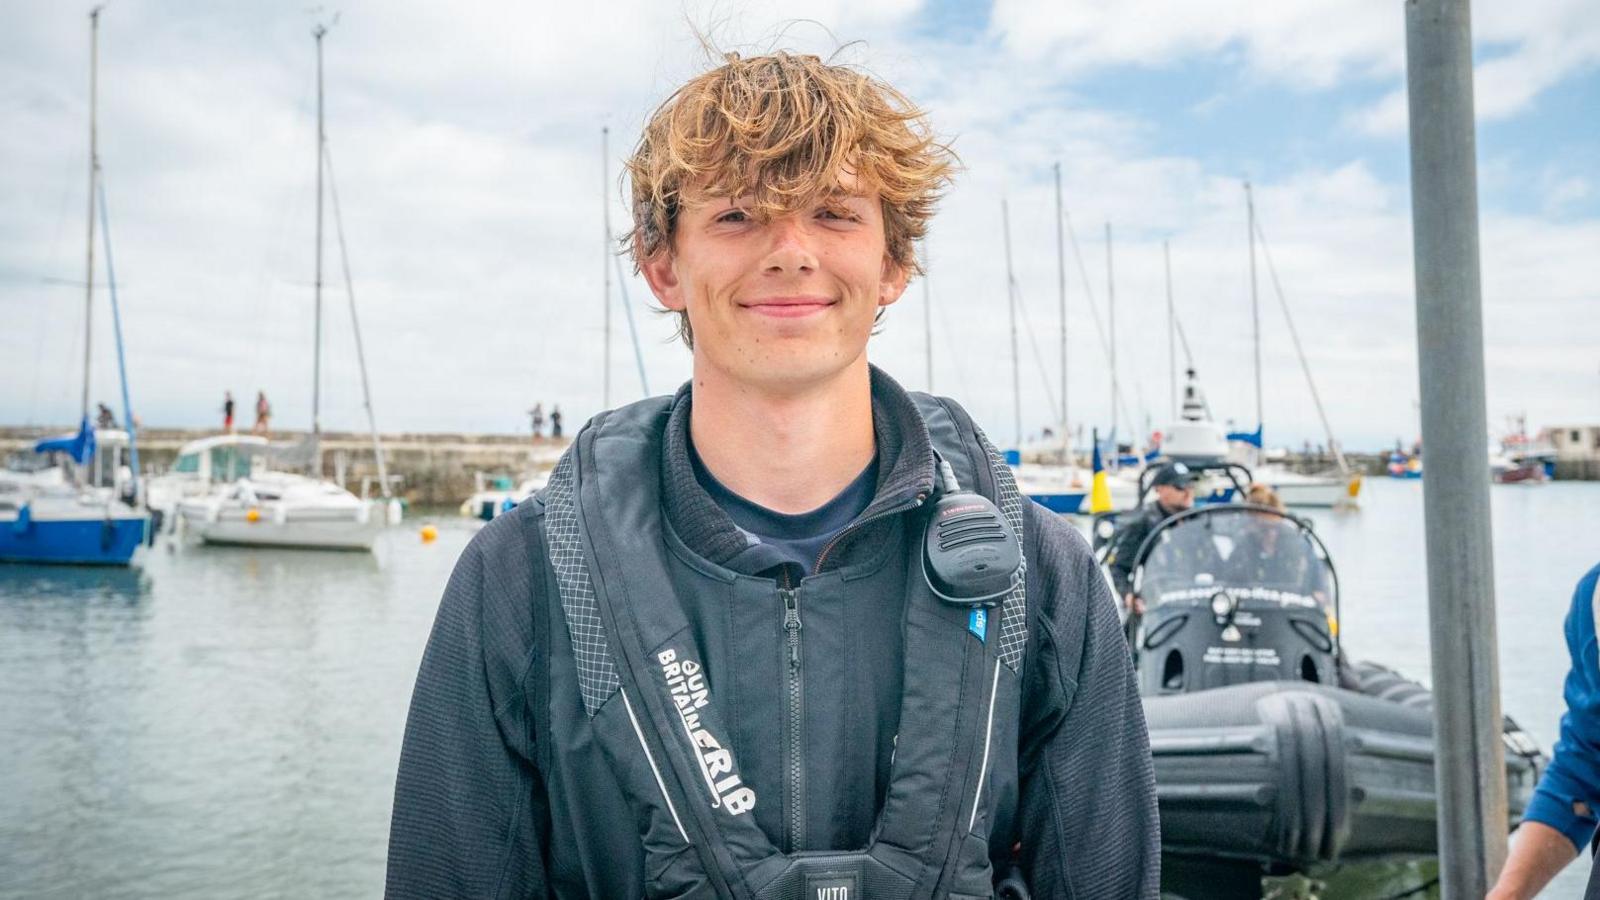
(1568,794)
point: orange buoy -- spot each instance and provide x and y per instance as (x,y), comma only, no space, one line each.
(429,534)
(252,515)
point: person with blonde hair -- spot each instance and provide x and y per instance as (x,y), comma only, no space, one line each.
(1263,495)
(791,632)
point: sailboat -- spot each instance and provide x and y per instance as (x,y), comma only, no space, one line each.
(1055,482)
(90,513)
(1338,488)
(248,503)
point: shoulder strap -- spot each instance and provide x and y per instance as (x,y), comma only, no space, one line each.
(960,440)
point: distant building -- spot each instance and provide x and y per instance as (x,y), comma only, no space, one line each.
(1576,442)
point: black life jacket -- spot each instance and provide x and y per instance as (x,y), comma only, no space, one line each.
(653,703)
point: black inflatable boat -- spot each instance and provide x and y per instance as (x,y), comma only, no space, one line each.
(1272,754)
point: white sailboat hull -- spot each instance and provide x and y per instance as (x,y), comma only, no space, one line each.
(233,528)
(284,510)
(1294,489)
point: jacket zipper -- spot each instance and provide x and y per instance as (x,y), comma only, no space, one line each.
(858,525)
(791,627)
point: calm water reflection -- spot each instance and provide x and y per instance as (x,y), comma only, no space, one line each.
(226,723)
(216,723)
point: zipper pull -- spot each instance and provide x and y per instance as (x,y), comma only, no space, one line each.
(791,623)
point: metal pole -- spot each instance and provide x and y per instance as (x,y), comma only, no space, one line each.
(1470,766)
(1255,317)
(1111,309)
(1061,295)
(316,346)
(605,300)
(1172,332)
(1011,303)
(94,172)
(927,313)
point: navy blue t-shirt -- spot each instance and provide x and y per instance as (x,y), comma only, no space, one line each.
(790,539)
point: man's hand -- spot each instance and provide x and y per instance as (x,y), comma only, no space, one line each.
(1538,852)
(1134,603)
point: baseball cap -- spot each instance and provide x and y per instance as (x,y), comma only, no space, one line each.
(1176,474)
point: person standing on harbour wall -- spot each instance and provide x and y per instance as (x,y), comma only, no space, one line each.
(555,421)
(711,658)
(227,411)
(1561,819)
(263,424)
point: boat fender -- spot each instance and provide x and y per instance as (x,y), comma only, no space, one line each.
(280,514)
(24,519)
(213,513)
(363,513)
(108,534)
(396,511)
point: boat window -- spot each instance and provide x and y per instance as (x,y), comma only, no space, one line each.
(228,464)
(189,462)
(1255,556)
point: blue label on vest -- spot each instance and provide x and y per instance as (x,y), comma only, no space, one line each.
(978,623)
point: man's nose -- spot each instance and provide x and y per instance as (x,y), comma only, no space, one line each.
(790,248)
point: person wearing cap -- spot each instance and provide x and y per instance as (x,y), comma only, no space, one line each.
(1173,486)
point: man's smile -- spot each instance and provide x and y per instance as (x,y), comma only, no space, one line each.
(788,307)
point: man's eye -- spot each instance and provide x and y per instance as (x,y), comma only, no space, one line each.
(733,215)
(841,215)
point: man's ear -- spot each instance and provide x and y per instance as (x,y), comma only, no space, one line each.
(893,282)
(661,273)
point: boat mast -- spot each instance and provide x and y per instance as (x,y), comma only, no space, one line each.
(1111,307)
(1255,316)
(1011,303)
(94,174)
(1061,296)
(1172,331)
(605,298)
(316,347)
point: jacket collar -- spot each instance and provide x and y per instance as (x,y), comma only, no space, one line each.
(905,474)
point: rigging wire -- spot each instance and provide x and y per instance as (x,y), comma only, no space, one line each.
(1033,342)
(1294,336)
(355,323)
(1094,311)
(633,330)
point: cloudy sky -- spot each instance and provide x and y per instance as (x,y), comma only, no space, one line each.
(466,144)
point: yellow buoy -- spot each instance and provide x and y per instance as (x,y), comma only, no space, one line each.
(429,533)
(252,515)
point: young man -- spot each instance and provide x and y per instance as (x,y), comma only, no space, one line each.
(710,659)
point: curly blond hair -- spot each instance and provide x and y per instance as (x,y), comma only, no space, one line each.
(782,129)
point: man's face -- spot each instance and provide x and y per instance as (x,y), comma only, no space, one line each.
(1174,498)
(780,305)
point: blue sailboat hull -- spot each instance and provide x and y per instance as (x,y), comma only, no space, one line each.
(1065,503)
(108,542)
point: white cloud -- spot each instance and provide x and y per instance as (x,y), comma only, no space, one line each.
(1313,44)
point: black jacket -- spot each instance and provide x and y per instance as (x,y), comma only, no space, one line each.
(1132,529)
(502,791)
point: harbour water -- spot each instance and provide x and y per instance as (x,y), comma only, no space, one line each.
(225,723)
